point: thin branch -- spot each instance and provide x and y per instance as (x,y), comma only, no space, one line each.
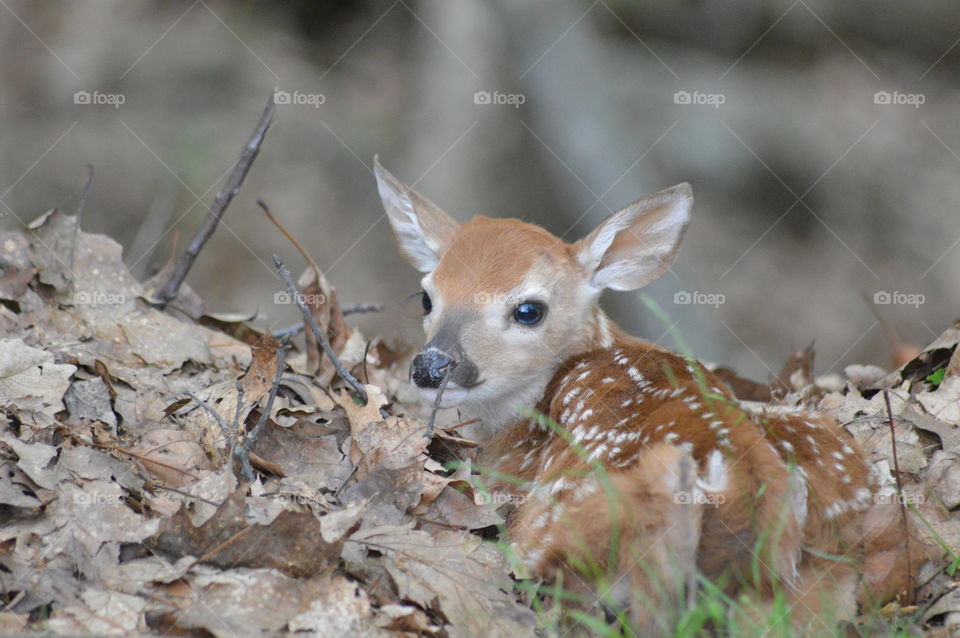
(900,500)
(224,428)
(216,549)
(84,191)
(289,331)
(355,309)
(461,425)
(146,459)
(188,495)
(235,428)
(334,319)
(359,308)
(366,351)
(336,494)
(315,329)
(220,203)
(436,400)
(242,453)
(293,240)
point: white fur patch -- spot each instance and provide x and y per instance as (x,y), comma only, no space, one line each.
(715,479)
(799,494)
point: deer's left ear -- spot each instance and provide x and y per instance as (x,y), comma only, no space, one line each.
(637,244)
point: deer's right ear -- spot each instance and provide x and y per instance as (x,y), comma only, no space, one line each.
(422,230)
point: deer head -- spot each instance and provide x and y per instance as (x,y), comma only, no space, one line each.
(505,302)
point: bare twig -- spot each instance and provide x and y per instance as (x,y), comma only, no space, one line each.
(84,191)
(461,425)
(145,459)
(366,351)
(358,308)
(220,203)
(289,331)
(188,495)
(336,328)
(235,428)
(216,549)
(900,500)
(265,466)
(355,309)
(242,453)
(293,240)
(336,494)
(442,524)
(436,400)
(224,428)
(315,329)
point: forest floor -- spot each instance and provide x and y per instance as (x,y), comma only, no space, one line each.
(174,472)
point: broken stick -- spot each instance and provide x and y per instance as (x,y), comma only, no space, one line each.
(220,203)
(315,329)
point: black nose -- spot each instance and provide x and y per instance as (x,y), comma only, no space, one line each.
(429,367)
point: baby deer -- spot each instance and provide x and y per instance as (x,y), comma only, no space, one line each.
(634,469)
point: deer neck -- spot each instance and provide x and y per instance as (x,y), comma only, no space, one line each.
(605,333)
(602,333)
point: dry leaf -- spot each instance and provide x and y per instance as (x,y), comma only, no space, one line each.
(31,380)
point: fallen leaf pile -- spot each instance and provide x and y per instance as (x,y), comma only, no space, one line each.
(121,510)
(119,507)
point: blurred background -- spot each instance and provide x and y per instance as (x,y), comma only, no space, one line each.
(821,139)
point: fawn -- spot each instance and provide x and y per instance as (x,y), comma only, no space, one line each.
(625,459)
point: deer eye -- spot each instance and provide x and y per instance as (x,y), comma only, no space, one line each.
(530,313)
(426,302)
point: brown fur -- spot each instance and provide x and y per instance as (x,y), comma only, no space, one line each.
(494,255)
(641,469)
(558,527)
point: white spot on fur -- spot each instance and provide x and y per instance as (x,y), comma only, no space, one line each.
(570,396)
(716,476)
(799,493)
(597,453)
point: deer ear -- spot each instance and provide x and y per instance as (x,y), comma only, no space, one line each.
(422,230)
(637,244)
